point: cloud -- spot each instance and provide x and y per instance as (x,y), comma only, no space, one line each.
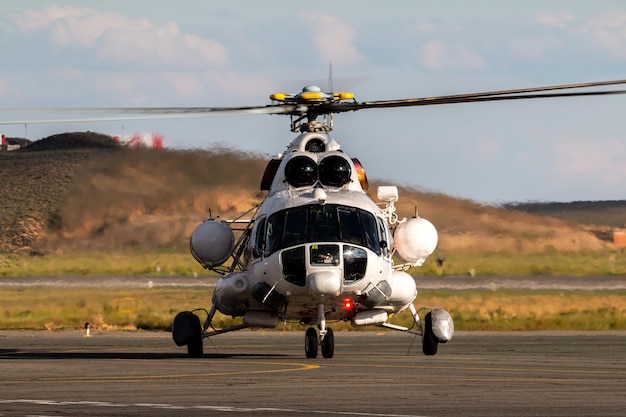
(608,30)
(557,19)
(486,148)
(437,26)
(533,47)
(120,39)
(70,25)
(334,39)
(437,55)
(425,27)
(156,88)
(95,57)
(585,160)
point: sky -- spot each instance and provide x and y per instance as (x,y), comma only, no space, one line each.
(237,53)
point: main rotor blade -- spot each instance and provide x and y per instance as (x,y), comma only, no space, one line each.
(142,113)
(429,101)
(311,110)
(520,90)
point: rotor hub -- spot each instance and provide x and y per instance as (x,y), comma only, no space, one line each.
(314,126)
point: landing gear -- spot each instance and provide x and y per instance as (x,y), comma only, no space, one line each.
(326,338)
(328,344)
(429,340)
(186,330)
(437,328)
(311,343)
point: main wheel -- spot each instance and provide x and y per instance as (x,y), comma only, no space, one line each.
(429,340)
(310,343)
(194,345)
(328,344)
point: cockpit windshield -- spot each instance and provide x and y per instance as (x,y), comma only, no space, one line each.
(321,223)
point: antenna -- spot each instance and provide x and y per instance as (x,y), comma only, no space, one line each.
(330,76)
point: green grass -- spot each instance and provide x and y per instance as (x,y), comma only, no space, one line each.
(45,308)
(550,262)
(609,262)
(531,310)
(99,264)
(154,309)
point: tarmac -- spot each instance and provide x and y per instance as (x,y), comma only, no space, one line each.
(266,373)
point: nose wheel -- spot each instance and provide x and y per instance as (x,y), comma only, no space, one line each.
(312,343)
(326,338)
(328,344)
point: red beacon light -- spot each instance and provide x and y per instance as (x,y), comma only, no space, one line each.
(348,304)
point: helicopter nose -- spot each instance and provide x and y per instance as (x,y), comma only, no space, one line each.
(325,283)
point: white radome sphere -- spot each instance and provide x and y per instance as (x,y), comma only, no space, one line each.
(415,239)
(212,243)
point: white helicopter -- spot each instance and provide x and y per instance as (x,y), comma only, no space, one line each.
(317,249)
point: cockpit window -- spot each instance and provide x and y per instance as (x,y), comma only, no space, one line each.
(324,255)
(296,220)
(354,264)
(322,223)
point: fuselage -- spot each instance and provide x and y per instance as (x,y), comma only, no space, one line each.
(317,239)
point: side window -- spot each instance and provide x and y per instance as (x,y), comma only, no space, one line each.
(372,238)
(274,232)
(259,237)
(384,236)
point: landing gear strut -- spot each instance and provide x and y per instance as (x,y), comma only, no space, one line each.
(437,328)
(326,337)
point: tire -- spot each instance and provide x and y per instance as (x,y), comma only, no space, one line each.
(186,330)
(310,343)
(429,340)
(328,344)
(182,328)
(194,346)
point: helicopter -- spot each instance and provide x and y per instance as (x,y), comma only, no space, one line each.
(317,249)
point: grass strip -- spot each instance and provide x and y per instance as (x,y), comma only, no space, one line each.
(154,308)
(181,263)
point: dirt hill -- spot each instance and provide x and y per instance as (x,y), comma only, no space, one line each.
(83,192)
(611,213)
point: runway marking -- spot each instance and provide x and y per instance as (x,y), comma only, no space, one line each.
(137,378)
(483,368)
(221,408)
